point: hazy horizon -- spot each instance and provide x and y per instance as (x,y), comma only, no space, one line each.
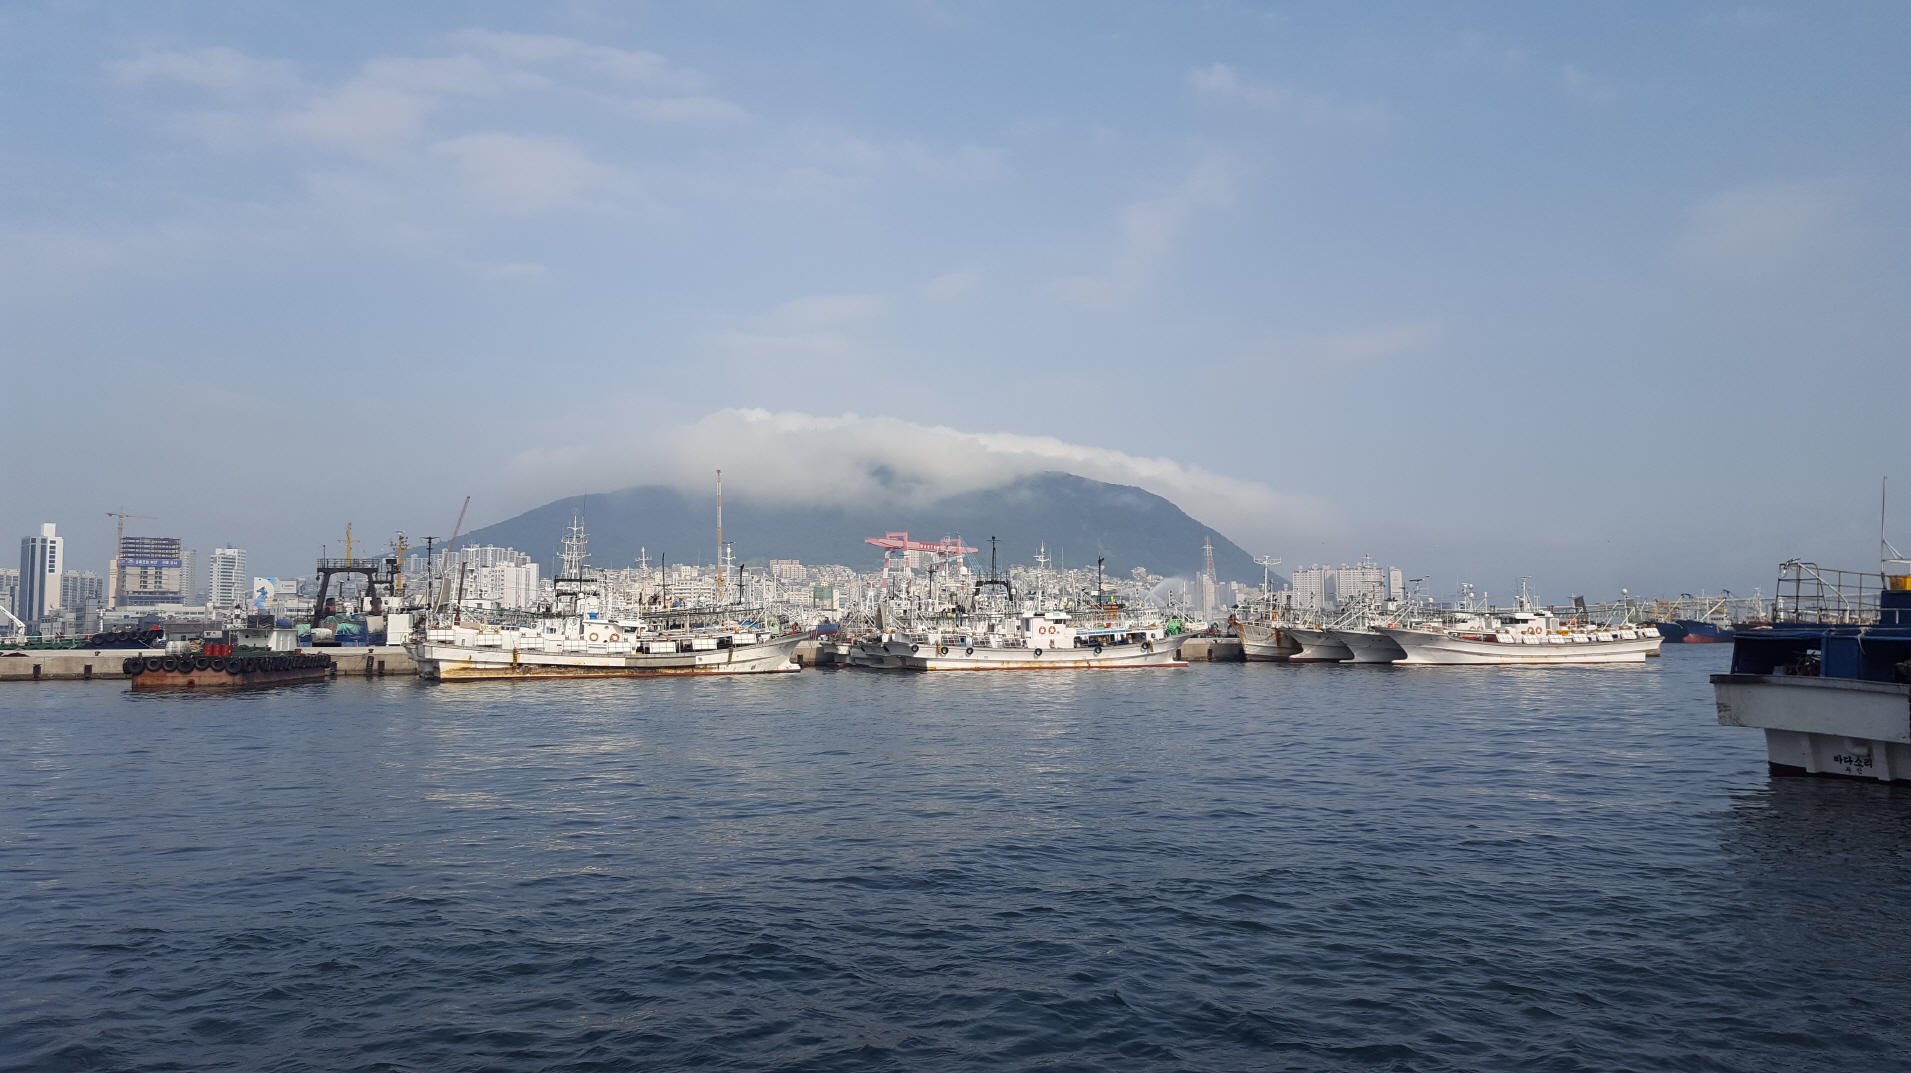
(1607,297)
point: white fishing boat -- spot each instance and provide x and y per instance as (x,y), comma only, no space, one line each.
(1367,644)
(1317,645)
(582,647)
(576,638)
(1525,635)
(1264,641)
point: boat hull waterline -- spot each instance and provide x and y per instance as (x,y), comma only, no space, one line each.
(467,663)
(1318,646)
(1369,646)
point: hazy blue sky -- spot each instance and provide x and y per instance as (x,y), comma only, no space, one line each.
(1609,294)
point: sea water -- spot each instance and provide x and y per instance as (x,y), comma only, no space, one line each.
(1224,867)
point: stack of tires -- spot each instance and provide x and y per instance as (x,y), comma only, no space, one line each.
(300,661)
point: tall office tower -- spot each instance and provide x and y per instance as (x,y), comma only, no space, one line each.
(41,560)
(9,593)
(148,572)
(227,583)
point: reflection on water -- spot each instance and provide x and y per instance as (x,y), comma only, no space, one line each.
(1225,867)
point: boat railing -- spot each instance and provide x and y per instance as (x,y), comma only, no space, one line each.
(1810,593)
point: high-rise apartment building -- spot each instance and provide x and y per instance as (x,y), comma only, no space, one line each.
(42,558)
(82,594)
(9,593)
(227,583)
(1364,581)
(1313,587)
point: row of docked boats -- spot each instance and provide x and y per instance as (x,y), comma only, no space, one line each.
(1408,636)
(1031,640)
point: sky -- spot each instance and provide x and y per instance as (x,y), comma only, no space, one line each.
(1605,295)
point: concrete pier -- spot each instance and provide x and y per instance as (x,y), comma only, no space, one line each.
(1213,650)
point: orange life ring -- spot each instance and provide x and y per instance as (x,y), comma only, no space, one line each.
(593,637)
(614,637)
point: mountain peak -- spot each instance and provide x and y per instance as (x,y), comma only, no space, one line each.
(1078,519)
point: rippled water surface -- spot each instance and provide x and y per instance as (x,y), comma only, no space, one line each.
(1223,867)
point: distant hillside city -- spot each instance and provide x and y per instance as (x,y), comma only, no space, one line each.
(158,579)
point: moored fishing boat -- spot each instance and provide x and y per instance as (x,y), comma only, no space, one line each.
(1317,645)
(587,648)
(1367,644)
(1264,641)
(576,638)
(1034,640)
(1526,635)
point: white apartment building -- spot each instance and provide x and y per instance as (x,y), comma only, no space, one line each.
(82,592)
(42,560)
(513,586)
(227,583)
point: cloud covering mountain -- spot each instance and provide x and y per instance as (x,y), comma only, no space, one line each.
(885,464)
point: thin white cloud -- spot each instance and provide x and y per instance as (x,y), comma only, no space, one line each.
(1221,82)
(798,457)
(646,68)
(1585,86)
(952,286)
(1761,232)
(1375,344)
(1149,230)
(224,69)
(693,111)
(519,174)
(818,326)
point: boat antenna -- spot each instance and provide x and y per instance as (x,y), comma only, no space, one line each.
(1885,551)
(719,538)
(1267,563)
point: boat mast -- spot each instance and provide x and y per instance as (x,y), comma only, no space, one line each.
(719,538)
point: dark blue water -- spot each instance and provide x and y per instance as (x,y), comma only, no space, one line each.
(1224,867)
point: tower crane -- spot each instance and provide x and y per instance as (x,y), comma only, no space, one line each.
(119,571)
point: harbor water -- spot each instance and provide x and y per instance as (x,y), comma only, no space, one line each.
(1225,867)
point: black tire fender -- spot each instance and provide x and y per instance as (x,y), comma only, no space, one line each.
(1038,653)
(970,651)
(1098,650)
(913,649)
